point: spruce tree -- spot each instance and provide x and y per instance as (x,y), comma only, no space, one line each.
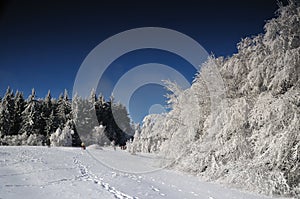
(31,116)
(63,109)
(49,116)
(84,111)
(19,107)
(7,113)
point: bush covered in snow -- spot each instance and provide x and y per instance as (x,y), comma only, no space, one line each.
(23,139)
(62,137)
(249,134)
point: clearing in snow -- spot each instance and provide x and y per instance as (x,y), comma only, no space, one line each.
(58,172)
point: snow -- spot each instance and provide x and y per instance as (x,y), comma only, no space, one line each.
(60,172)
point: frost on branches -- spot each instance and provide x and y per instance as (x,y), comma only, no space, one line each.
(62,137)
(252,138)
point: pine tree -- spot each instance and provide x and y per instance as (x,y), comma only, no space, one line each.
(76,141)
(49,116)
(31,116)
(121,117)
(19,107)
(91,109)
(85,115)
(107,113)
(7,113)
(63,109)
(47,106)
(65,116)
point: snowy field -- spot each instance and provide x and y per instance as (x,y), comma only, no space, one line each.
(41,172)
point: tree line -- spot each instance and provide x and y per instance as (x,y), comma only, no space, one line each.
(32,121)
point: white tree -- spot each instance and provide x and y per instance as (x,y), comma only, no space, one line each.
(62,137)
(31,116)
(251,138)
(7,113)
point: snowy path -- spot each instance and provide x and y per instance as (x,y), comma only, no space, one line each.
(40,172)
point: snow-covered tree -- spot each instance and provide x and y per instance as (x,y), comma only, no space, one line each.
(47,105)
(63,109)
(50,123)
(35,140)
(76,140)
(98,136)
(49,115)
(31,116)
(19,107)
(7,113)
(120,115)
(62,137)
(84,114)
(92,112)
(248,133)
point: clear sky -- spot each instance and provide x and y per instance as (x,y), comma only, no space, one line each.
(43,43)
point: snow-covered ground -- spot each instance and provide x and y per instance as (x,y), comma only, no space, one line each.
(58,172)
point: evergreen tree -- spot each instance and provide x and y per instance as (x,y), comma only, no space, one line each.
(7,113)
(84,111)
(47,106)
(91,110)
(31,116)
(35,120)
(49,116)
(76,141)
(107,112)
(50,124)
(121,118)
(19,107)
(63,117)
(63,109)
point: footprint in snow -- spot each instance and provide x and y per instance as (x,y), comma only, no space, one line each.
(154,189)
(114,174)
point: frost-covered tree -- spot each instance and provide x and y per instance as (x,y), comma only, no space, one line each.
(19,107)
(248,134)
(84,114)
(134,147)
(32,117)
(38,119)
(50,124)
(62,137)
(7,113)
(49,115)
(94,111)
(63,109)
(47,105)
(76,140)
(121,117)
(35,140)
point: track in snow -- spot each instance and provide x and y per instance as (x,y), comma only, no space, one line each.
(87,175)
(41,172)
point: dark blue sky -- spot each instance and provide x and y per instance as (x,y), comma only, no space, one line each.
(43,43)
